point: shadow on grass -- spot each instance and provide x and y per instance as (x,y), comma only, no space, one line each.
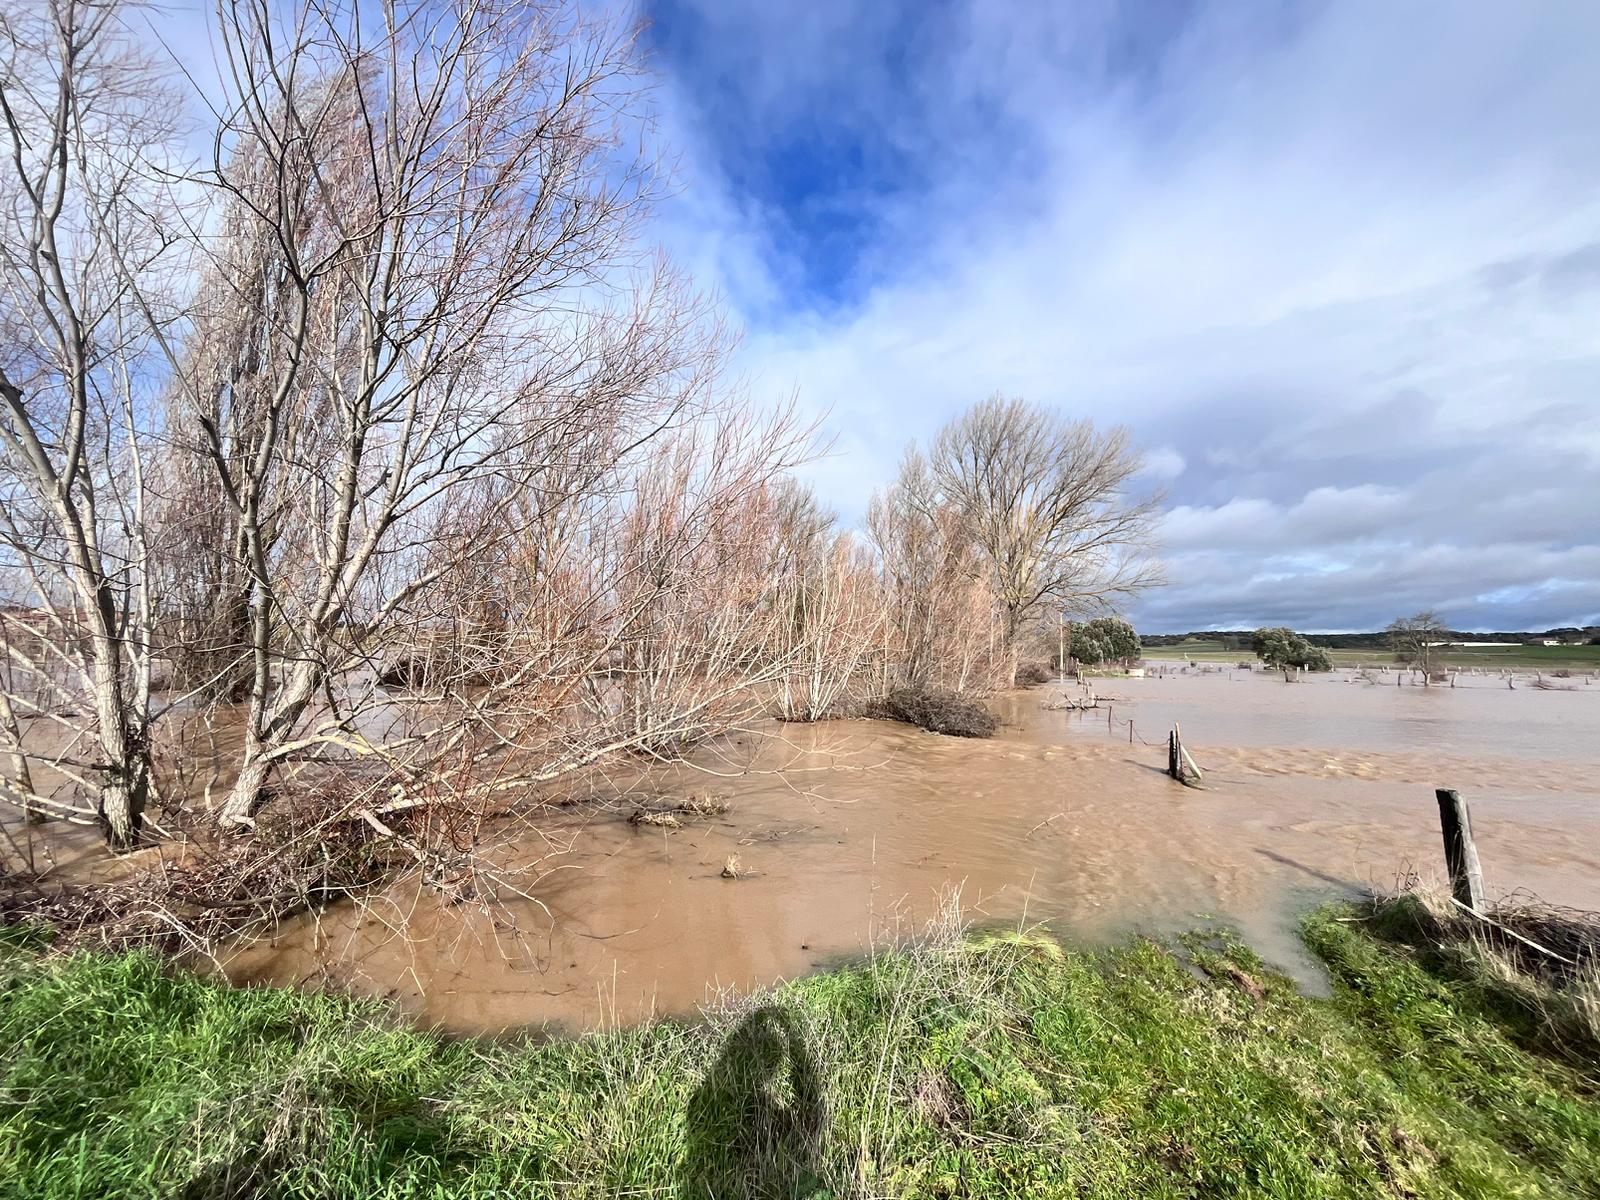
(756,1121)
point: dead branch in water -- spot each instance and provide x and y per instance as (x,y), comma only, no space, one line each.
(314,847)
(1072,703)
(1043,823)
(191,903)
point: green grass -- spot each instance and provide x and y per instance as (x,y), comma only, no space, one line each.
(1548,658)
(987,1067)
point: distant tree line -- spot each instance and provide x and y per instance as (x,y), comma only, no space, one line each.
(1241,639)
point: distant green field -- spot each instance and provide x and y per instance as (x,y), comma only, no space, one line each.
(1550,658)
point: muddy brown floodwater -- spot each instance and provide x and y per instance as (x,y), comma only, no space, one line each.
(1315,789)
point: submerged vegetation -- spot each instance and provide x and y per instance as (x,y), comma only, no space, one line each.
(1000,1065)
(936,711)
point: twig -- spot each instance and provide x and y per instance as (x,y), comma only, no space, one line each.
(1046,821)
(1526,941)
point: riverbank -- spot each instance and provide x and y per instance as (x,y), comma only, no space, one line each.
(986,1066)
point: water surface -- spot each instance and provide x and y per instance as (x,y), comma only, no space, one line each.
(846,832)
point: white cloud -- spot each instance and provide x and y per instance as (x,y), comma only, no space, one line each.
(1338,269)
(1163,463)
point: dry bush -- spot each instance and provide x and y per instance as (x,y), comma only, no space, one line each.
(1542,960)
(942,623)
(1032,674)
(310,852)
(831,626)
(938,712)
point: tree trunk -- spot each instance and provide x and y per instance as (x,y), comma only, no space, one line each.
(233,678)
(263,732)
(247,788)
(12,729)
(127,784)
(122,801)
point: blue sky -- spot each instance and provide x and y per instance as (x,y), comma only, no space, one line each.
(1337,265)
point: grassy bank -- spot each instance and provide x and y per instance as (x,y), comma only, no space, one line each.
(1521,658)
(998,1066)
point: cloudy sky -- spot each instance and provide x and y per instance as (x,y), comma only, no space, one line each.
(1337,265)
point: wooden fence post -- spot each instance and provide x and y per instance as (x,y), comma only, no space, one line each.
(1460,851)
(1180,765)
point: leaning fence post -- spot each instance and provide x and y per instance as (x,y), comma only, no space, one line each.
(1460,851)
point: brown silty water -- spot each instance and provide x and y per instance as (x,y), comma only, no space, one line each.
(848,831)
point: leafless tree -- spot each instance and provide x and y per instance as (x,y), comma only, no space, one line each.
(942,617)
(641,620)
(1418,639)
(428,265)
(1050,502)
(830,609)
(86,244)
(699,635)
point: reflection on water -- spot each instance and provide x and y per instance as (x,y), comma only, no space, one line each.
(1316,789)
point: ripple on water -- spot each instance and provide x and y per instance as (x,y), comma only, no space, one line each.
(851,830)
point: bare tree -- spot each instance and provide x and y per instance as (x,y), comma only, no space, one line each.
(428,245)
(639,621)
(1049,501)
(1418,639)
(696,632)
(85,243)
(941,614)
(830,610)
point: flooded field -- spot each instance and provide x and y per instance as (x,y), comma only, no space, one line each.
(849,831)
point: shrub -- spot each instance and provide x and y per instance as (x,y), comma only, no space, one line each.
(1032,674)
(938,712)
